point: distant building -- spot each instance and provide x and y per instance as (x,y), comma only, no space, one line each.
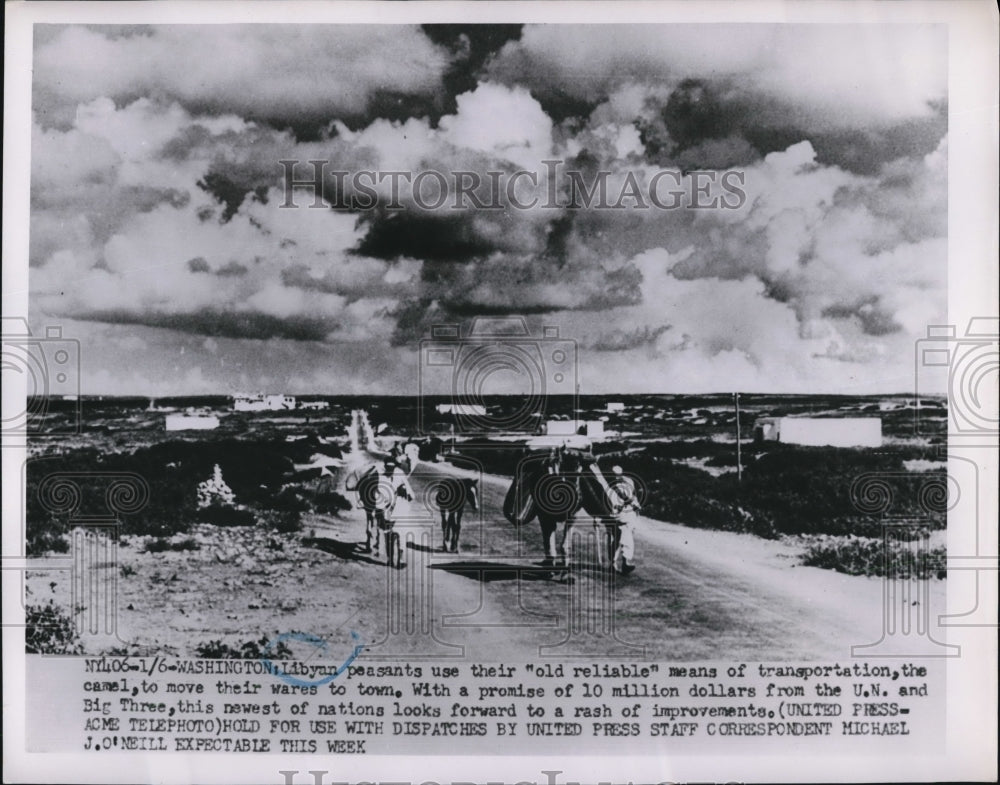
(820,431)
(319,463)
(615,406)
(258,402)
(314,404)
(548,442)
(465,409)
(191,422)
(574,428)
(245,402)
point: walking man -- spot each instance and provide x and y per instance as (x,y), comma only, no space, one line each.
(400,494)
(621,525)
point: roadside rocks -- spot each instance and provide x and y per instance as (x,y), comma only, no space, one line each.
(250,548)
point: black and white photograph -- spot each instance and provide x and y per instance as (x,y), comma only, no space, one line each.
(569,382)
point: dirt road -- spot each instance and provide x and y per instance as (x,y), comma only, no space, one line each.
(696,595)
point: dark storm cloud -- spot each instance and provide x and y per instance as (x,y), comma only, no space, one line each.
(865,152)
(508,284)
(872,317)
(432,237)
(623,340)
(232,268)
(199,265)
(712,124)
(471,45)
(231,192)
(709,124)
(762,89)
(227,324)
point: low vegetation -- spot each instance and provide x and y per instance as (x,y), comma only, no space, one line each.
(48,536)
(787,490)
(251,650)
(50,630)
(784,490)
(677,449)
(260,473)
(161,544)
(873,556)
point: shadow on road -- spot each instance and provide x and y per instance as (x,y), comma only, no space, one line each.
(416,546)
(487,572)
(342,550)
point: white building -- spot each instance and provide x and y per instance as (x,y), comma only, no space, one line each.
(464,409)
(322,463)
(248,402)
(615,406)
(548,442)
(184,421)
(278,402)
(258,402)
(574,428)
(314,404)
(821,431)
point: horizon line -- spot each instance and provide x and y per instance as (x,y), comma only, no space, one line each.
(909,394)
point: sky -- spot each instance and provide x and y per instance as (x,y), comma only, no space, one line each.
(159,240)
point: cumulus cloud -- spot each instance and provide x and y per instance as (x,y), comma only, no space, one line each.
(735,92)
(159,209)
(518,131)
(711,335)
(172,262)
(831,75)
(298,73)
